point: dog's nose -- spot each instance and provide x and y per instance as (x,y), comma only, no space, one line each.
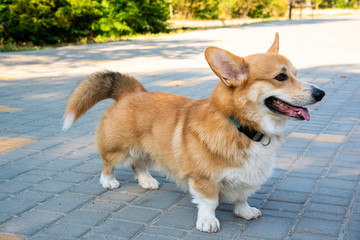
(317,93)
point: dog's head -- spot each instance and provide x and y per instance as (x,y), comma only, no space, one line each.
(261,89)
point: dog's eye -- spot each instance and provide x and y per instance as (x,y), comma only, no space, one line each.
(281,77)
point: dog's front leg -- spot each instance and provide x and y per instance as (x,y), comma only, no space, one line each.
(206,196)
(242,209)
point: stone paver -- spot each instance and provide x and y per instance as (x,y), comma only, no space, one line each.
(12,143)
(49,180)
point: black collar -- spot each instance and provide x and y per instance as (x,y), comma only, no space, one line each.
(249,132)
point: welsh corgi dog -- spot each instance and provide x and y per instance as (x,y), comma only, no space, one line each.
(219,148)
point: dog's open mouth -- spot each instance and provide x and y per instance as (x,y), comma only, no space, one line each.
(278,106)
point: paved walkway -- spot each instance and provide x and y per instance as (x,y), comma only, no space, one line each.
(49,180)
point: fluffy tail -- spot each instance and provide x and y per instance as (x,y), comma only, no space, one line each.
(95,88)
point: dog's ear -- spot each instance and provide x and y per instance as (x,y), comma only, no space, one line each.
(230,68)
(275,46)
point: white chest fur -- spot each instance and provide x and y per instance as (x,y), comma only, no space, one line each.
(241,182)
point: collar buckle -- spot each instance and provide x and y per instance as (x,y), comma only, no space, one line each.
(258,136)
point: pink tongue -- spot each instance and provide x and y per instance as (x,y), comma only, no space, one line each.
(304,113)
(293,111)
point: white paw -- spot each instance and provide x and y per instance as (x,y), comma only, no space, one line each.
(148,182)
(109,182)
(208,224)
(248,213)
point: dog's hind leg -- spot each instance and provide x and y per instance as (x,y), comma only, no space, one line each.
(107,178)
(139,168)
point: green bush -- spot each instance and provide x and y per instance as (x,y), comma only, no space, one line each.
(196,9)
(55,21)
(206,9)
(335,3)
(252,8)
(345,4)
(269,8)
(47,21)
(23,20)
(145,16)
(77,19)
(123,17)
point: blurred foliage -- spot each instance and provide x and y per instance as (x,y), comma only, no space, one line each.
(55,21)
(336,3)
(196,9)
(227,9)
(347,4)
(39,22)
(269,8)
(123,17)
(47,21)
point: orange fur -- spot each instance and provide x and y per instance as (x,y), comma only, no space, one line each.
(97,87)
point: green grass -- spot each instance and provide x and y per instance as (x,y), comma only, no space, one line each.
(13,47)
